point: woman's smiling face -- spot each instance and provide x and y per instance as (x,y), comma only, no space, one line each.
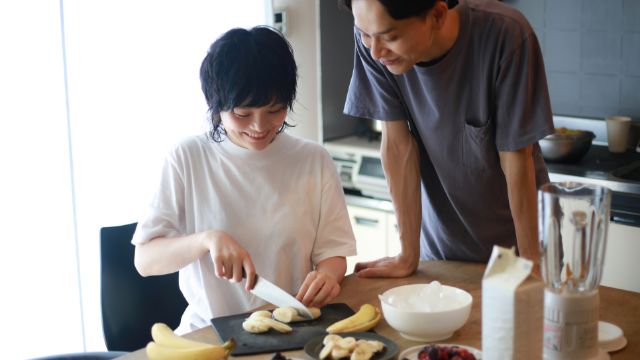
(254,128)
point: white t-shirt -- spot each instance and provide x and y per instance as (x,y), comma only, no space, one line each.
(283,204)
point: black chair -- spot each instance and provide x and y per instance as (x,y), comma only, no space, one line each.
(131,304)
(103,355)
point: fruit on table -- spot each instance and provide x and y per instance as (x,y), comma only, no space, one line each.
(166,345)
(289,314)
(367,317)
(442,352)
(337,347)
(261,321)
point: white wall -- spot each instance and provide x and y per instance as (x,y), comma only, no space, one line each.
(302,32)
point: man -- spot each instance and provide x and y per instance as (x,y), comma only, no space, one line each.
(464,97)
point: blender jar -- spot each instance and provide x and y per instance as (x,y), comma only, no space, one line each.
(573,220)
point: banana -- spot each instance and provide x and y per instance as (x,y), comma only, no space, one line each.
(281,327)
(326,350)
(166,345)
(331,338)
(263,324)
(367,317)
(255,327)
(337,347)
(361,353)
(373,345)
(156,351)
(260,314)
(339,353)
(163,335)
(348,343)
(289,314)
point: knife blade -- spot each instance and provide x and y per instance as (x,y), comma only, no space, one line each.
(270,292)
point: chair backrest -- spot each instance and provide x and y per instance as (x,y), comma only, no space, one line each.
(104,355)
(131,304)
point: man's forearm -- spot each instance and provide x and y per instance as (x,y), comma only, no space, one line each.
(519,171)
(402,169)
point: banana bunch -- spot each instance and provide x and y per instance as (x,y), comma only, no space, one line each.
(367,317)
(166,345)
(337,347)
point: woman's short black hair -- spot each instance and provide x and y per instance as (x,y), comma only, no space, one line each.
(250,68)
(401,9)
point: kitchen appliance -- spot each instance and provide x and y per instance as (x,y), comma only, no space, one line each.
(270,292)
(573,224)
(359,165)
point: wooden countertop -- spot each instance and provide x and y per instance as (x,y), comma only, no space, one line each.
(619,307)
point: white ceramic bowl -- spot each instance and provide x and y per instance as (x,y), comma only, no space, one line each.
(426,312)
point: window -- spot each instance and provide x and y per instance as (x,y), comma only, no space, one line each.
(88,154)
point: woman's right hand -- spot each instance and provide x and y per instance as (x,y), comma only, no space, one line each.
(229,258)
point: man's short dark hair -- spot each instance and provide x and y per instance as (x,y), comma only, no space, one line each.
(401,9)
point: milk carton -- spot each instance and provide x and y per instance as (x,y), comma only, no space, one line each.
(512,308)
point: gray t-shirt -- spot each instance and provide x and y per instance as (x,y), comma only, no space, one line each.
(487,94)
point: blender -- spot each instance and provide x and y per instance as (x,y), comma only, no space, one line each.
(573,219)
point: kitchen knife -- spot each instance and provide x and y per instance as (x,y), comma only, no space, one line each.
(270,292)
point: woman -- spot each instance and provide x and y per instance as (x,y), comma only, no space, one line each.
(247,197)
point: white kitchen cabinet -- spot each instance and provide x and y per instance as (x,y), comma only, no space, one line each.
(621,265)
(370,229)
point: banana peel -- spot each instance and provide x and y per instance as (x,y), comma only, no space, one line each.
(367,317)
(166,345)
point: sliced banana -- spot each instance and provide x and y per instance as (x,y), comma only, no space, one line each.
(348,343)
(373,345)
(255,326)
(289,314)
(331,338)
(261,321)
(337,347)
(277,325)
(339,353)
(361,353)
(326,350)
(286,314)
(260,314)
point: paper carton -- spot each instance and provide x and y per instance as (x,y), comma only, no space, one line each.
(512,308)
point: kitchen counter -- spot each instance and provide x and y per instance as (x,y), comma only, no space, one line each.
(598,165)
(616,306)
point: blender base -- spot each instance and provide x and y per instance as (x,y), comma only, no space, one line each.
(571,325)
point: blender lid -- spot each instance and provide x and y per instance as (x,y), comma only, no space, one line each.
(610,337)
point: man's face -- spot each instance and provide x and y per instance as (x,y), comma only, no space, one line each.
(397,44)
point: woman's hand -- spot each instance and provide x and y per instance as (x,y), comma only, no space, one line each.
(318,289)
(229,258)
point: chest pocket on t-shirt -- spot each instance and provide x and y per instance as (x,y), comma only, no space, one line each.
(478,148)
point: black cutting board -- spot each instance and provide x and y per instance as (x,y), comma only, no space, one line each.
(272,341)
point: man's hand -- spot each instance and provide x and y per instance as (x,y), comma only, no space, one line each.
(394,266)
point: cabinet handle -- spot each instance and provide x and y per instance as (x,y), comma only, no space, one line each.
(366,222)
